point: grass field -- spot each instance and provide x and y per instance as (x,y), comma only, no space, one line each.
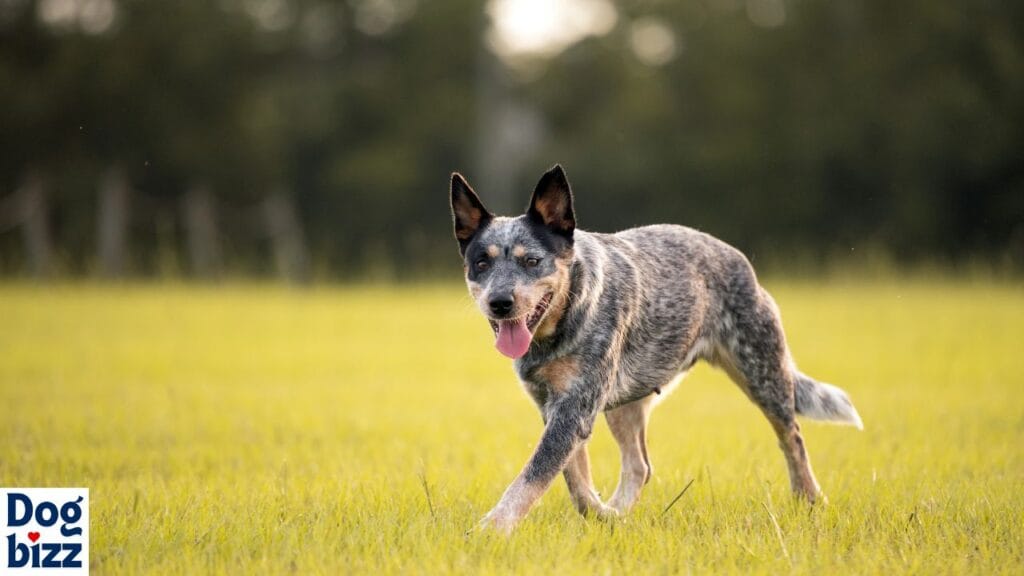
(257,429)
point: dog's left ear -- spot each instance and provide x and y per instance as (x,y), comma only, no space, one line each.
(552,203)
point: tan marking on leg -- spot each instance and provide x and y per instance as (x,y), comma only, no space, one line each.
(493,251)
(801,477)
(581,485)
(629,427)
(518,251)
(559,373)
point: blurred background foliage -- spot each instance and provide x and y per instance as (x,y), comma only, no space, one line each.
(313,139)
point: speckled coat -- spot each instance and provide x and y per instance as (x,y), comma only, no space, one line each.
(619,319)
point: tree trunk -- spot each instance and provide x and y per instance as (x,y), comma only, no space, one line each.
(112,224)
(509,129)
(35,226)
(201,230)
(288,243)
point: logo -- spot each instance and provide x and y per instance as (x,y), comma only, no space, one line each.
(45,531)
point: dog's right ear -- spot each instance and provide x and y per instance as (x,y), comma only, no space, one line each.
(468,212)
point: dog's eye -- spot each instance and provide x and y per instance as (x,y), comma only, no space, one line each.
(482,265)
(532,262)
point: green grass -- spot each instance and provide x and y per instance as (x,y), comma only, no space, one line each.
(256,429)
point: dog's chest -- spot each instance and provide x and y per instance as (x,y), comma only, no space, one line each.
(551,378)
(538,391)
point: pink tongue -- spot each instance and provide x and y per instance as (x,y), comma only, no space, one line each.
(513,338)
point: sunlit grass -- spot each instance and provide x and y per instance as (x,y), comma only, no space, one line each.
(254,429)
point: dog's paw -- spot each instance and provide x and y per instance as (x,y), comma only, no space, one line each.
(606,513)
(497,521)
(620,505)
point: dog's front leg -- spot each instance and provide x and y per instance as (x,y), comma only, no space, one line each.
(569,423)
(581,486)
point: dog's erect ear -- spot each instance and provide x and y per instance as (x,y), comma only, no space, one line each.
(467,211)
(552,203)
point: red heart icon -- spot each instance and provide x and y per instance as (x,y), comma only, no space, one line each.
(33,536)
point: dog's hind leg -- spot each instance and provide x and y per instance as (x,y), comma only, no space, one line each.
(754,354)
(581,486)
(628,424)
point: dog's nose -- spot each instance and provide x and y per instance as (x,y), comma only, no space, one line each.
(501,305)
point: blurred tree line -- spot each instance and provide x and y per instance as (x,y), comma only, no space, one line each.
(314,138)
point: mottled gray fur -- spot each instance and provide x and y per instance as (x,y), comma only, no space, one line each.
(640,308)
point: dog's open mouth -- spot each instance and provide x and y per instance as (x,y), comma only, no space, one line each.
(513,336)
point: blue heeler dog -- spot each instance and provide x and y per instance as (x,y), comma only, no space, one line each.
(608,322)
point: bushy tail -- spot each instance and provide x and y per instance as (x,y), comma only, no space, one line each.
(821,401)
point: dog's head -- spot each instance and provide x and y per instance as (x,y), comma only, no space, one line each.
(517,269)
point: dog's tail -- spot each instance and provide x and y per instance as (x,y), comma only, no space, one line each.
(821,401)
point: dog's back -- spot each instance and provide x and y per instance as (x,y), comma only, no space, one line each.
(670,295)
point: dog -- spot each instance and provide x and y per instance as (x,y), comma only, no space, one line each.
(609,322)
